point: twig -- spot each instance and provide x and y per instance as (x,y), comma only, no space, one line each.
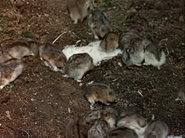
(140,93)
(58,37)
(153,117)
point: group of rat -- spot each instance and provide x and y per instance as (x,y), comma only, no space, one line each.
(136,50)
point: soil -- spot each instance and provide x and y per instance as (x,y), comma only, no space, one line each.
(40,102)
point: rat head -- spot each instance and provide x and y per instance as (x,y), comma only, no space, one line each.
(61,61)
(133,121)
(78,65)
(98,130)
(94,115)
(113,38)
(92,4)
(127,55)
(99,24)
(156,129)
(163,46)
(96,15)
(142,122)
(110,42)
(126,38)
(108,96)
(110,118)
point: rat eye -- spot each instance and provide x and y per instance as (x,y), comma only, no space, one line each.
(110,93)
(128,50)
(106,115)
(111,38)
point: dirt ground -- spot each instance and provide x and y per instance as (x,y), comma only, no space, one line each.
(37,104)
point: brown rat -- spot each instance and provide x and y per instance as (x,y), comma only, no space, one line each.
(78,9)
(133,121)
(53,56)
(76,128)
(109,42)
(134,53)
(77,65)
(108,114)
(127,37)
(98,92)
(156,129)
(155,54)
(121,132)
(9,71)
(98,129)
(18,49)
(99,24)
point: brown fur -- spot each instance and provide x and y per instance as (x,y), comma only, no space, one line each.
(157,129)
(121,133)
(98,129)
(99,24)
(76,128)
(18,49)
(79,64)
(127,37)
(110,42)
(9,71)
(53,56)
(100,92)
(133,121)
(77,9)
(106,113)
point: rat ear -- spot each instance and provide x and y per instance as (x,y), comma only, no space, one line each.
(163,46)
(128,50)
(103,29)
(101,113)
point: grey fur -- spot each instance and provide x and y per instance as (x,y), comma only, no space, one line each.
(54,56)
(9,71)
(77,9)
(98,130)
(99,24)
(121,132)
(110,42)
(157,129)
(77,65)
(98,92)
(133,121)
(133,54)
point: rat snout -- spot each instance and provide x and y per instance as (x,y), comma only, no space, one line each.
(113,98)
(116,98)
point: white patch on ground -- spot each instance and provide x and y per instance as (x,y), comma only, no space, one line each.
(93,50)
(171,136)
